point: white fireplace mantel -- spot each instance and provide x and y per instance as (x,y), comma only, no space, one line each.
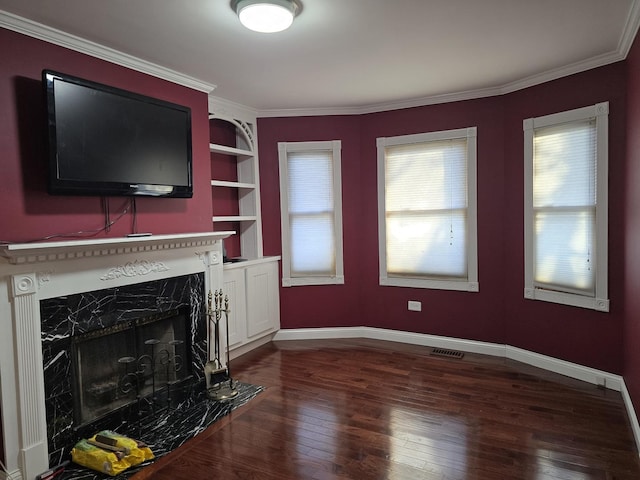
(30,272)
(20,253)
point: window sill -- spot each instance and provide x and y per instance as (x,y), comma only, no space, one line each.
(461,286)
(301,281)
(599,304)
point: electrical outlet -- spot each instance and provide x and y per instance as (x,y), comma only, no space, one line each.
(414,306)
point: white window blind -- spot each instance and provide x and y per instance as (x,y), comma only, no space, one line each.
(427,210)
(311,212)
(564,201)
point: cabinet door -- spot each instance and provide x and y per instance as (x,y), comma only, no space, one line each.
(234,287)
(263,305)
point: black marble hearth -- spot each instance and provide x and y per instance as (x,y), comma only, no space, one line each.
(170,429)
(69,318)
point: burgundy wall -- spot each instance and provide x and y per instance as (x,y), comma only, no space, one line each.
(27,212)
(498,313)
(632,230)
(317,306)
(576,334)
(456,314)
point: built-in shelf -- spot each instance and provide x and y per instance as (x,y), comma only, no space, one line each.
(251,281)
(241,154)
(215,148)
(235,218)
(226,183)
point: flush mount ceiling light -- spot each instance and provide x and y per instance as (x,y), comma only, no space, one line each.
(266,16)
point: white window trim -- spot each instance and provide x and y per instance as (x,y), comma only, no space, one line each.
(471,284)
(600,302)
(283,149)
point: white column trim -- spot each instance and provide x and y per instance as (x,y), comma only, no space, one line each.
(33,452)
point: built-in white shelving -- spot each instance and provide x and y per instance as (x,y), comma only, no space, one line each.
(247,185)
(230,150)
(251,284)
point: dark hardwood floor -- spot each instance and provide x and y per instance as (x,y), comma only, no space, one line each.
(365,409)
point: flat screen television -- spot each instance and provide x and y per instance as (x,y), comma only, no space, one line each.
(106,141)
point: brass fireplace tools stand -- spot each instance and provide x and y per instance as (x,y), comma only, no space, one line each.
(220,385)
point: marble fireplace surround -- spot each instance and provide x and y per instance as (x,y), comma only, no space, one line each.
(33,272)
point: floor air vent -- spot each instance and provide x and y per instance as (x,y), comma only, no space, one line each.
(443,352)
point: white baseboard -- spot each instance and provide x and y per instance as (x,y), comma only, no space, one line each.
(569,369)
(633,418)
(320,333)
(471,346)
(236,351)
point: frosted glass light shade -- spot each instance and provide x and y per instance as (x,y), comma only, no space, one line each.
(266,16)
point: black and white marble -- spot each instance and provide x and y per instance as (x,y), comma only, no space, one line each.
(170,429)
(73,315)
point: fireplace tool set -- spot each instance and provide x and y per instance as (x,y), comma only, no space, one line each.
(220,384)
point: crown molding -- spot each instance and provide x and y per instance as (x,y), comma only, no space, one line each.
(624,46)
(78,44)
(527,82)
(229,109)
(382,107)
(565,71)
(243,112)
(630,29)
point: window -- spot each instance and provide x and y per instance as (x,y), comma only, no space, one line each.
(311,213)
(427,210)
(566,207)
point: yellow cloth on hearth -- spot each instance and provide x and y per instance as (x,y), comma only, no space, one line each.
(110,453)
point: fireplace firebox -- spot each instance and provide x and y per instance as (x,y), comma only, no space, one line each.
(132,362)
(114,356)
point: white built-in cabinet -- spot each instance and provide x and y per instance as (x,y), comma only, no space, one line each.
(253,294)
(251,284)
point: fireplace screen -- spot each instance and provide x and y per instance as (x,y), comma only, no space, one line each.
(129,362)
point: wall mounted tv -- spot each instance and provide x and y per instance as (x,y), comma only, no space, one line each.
(106,141)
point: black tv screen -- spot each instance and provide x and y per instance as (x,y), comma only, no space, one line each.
(110,142)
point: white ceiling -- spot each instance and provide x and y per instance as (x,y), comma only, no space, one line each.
(354,56)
